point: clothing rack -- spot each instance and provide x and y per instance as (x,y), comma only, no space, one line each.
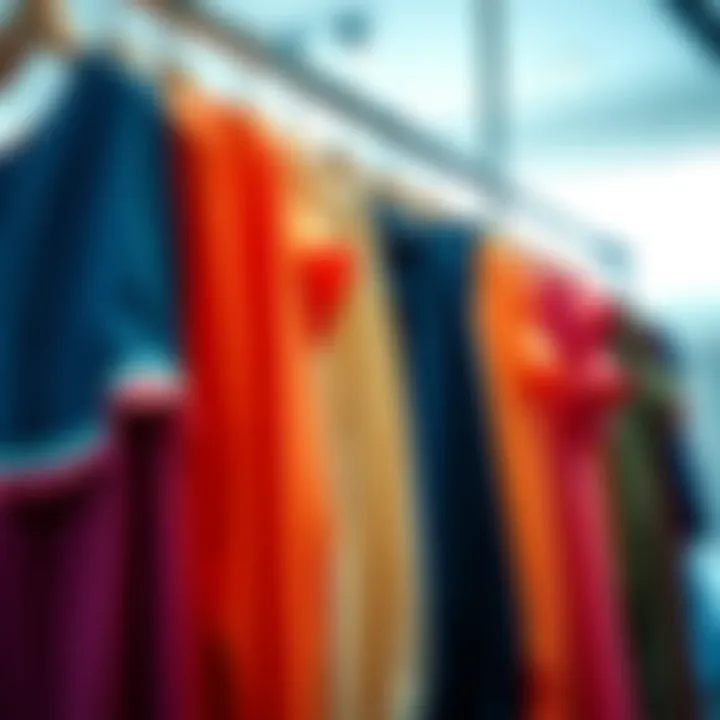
(236,37)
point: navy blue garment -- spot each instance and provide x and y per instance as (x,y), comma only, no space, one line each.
(473,657)
(86,268)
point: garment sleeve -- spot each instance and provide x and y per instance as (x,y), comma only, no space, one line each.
(143,323)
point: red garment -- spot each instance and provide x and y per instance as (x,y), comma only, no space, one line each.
(578,415)
(258,514)
(214,316)
(326,276)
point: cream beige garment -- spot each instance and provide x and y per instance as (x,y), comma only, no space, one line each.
(378,635)
(370,397)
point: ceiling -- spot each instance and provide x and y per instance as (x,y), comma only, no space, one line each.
(592,75)
(615,108)
(599,74)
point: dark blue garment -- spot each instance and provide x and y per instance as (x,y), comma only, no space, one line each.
(86,268)
(473,662)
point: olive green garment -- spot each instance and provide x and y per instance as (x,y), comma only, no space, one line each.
(645,544)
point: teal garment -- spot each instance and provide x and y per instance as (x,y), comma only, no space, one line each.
(649,552)
(87,291)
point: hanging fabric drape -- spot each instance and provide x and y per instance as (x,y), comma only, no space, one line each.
(278,442)
(471,643)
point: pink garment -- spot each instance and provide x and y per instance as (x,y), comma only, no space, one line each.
(579,414)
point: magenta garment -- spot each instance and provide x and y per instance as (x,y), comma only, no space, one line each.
(90,598)
(579,415)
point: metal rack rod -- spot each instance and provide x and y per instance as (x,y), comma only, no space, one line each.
(397,130)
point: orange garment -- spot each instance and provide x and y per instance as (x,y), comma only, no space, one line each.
(292,509)
(520,357)
(258,514)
